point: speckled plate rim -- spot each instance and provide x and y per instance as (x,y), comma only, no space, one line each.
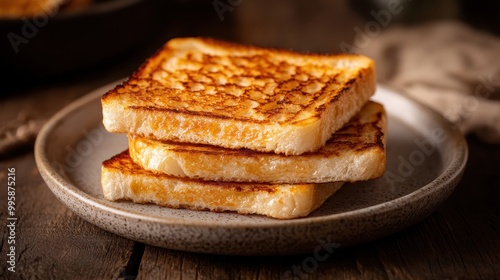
(448,176)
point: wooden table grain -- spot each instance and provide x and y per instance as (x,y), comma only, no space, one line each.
(461,240)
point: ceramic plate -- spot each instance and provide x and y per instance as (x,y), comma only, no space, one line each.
(426,156)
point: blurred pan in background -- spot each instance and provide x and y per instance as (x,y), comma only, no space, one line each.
(72,36)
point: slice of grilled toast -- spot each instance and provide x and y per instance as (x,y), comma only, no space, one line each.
(354,153)
(200,90)
(122,179)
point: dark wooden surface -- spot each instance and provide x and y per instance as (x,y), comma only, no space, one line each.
(461,240)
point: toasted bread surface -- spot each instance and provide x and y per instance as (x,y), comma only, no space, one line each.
(200,90)
(122,179)
(354,153)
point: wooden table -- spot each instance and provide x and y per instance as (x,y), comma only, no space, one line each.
(460,240)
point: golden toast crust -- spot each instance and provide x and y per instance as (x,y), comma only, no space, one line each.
(236,96)
(272,88)
(122,179)
(360,134)
(124,164)
(360,142)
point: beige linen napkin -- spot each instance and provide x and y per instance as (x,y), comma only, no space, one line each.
(448,66)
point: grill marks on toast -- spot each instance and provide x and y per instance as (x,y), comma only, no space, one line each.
(358,135)
(255,87)
(198,90)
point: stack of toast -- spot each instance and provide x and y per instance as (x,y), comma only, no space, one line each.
(225,127)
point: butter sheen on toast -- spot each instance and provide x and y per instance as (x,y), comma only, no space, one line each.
(204,91)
